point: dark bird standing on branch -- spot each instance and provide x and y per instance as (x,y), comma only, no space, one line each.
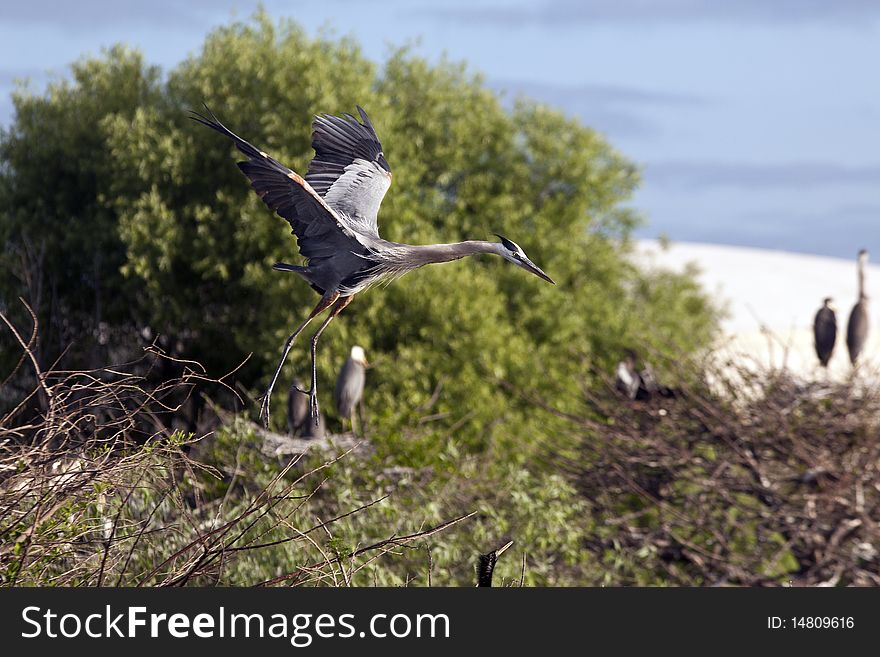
(486,564)
(350,385)
(857,328)
(825,331)
(333,213)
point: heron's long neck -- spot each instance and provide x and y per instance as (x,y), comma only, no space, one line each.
(861,278)
(412,256)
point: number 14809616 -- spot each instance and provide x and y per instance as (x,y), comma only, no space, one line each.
(810,623)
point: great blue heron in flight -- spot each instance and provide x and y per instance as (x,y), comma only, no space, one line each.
(333,213)
(825,331)
(857,328)
(350,385)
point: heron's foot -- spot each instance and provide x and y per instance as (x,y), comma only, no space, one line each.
(313,404)
(264,408)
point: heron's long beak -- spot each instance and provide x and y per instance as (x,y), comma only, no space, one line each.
(530,266)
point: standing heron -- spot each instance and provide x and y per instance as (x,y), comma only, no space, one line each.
(333,213)
(857,328)
(825,331)
(350,385)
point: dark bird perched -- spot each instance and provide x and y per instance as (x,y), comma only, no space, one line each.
(857,327)
(486,564)
(350,385)
(333,213)
(648,386)
(825,331)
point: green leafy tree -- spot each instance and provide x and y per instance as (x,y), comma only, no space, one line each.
(62,248)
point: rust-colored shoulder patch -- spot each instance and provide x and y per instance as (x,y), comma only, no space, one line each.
(302,182)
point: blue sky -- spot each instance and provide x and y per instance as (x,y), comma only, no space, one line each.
(756,122)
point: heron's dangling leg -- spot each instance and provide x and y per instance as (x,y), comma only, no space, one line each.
(326,301)
(337,308)
(361,414)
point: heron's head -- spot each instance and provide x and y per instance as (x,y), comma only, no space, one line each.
(358,355)
(512,251)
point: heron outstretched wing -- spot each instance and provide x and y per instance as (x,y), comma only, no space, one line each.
(349,170)
(320,230)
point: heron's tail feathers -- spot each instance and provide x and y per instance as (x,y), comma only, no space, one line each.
(283,266)
(307,273)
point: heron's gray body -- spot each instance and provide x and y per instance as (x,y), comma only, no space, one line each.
(857,330)
(333,213)
(857,326)
(350,387)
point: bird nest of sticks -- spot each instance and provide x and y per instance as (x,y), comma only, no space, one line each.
(769,480)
